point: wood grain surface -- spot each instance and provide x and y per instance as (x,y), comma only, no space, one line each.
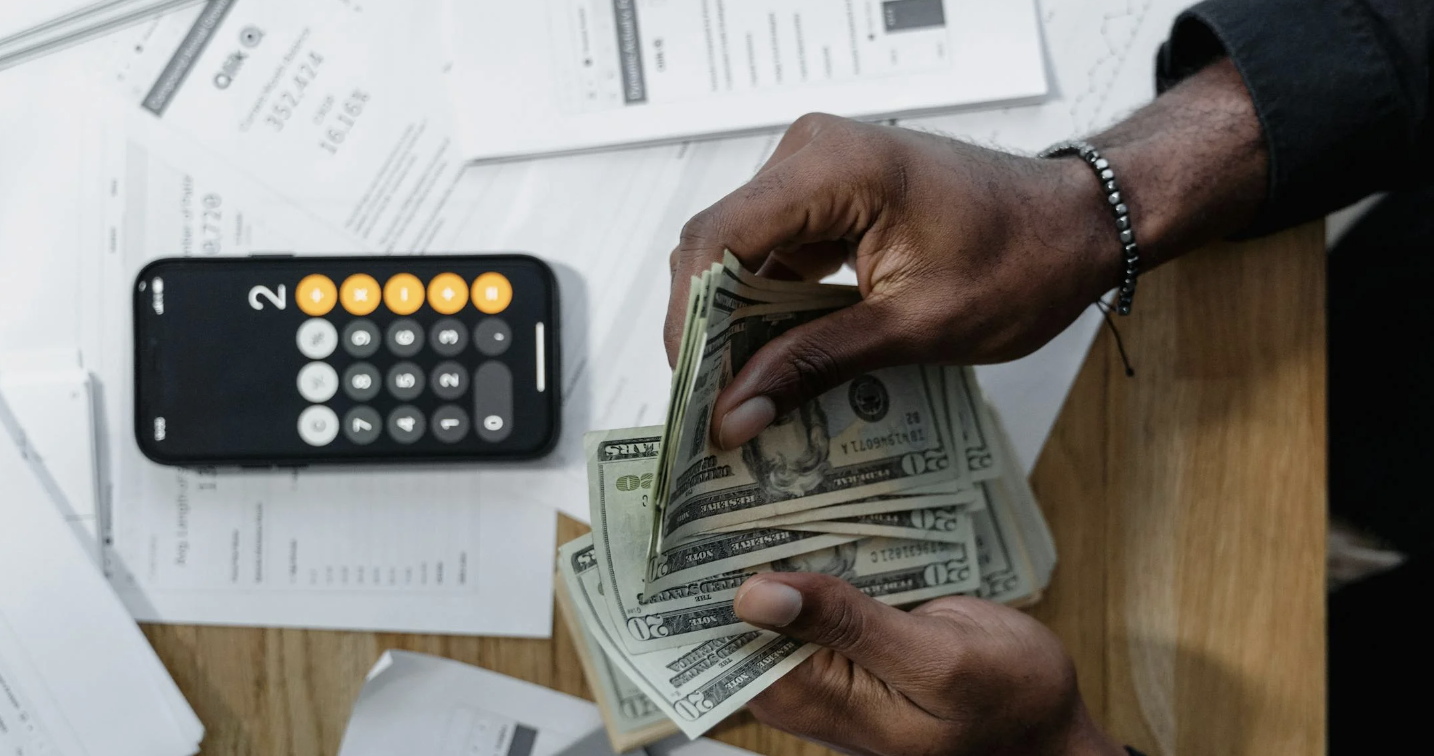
(1188,506)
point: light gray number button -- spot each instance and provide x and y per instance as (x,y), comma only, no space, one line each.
(317,338)
(406,424)
(318,382)
(405,381)
(318,425)
(362,425)
(450,424)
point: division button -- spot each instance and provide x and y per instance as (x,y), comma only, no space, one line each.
(360,294)
(405,381)
(493,400)
(449,380)
(492,336)
(317,338)
(406,424)
(318,425)
(403,294)
(447,293)
(492,293)
(361,338)
(450,424)
(362,382)
(448,337)
(318,382)
(405,337)
(362,425)
(316,295)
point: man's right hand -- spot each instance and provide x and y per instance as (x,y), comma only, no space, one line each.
(963,254)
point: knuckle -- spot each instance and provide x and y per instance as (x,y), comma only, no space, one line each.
(842,626)
(698,229)
(813,367)
(811,124)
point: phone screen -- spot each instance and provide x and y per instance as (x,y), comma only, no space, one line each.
(276,361)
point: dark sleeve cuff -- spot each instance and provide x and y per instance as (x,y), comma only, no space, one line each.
(1336,120)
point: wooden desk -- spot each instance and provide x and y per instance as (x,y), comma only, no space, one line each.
(1188,506)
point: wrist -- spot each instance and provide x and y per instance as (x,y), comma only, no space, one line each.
(1082,215)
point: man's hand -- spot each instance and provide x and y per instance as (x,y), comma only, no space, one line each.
(963,254)
(956,676)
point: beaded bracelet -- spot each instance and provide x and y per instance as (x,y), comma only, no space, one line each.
(1102,168)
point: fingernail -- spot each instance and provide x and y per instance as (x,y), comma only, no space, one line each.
(744,423)
(767,602)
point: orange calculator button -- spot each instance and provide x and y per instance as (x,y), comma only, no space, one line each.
(360,294)
(492,293)
(403,294)
(447,293)
(316,295)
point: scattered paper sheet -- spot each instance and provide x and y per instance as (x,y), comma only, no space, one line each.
(415,703)
(78,676)
(558,76)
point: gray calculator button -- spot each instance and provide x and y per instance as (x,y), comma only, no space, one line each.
(493,401)
(361,338)
(406,424)
(449,380)
(362,425)
(405,337)
(318,382)
(448,337)
(450,424)
(405,381)
(317,338)
(362,381)
(318,425)
(493,336)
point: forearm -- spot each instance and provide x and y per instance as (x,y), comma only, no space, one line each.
(1192,167)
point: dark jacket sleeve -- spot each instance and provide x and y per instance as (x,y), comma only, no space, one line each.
(1342,88)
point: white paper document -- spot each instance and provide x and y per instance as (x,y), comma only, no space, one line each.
(416,703)
(551,76)
(77,677)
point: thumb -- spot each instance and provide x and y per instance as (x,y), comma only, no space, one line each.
(805,363)
(832,613)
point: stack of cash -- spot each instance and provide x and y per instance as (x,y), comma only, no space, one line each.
(900,481)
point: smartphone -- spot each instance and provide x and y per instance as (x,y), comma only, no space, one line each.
(289,361)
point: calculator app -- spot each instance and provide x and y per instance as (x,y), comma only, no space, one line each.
(291,360)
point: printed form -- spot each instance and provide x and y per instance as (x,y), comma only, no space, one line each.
(564,75)
(76,675)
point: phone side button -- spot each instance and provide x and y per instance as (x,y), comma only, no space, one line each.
(493,401)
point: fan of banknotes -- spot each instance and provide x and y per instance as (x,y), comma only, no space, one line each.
(900,481)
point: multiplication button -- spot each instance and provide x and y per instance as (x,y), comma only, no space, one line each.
(405,381)
(362,425)
(449,380)
(318,382)
(318,425)
(448,337)
(405,337)
(361,338)
(450,424)
(361,382)
(492,336)
(406,424)
(317,338)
